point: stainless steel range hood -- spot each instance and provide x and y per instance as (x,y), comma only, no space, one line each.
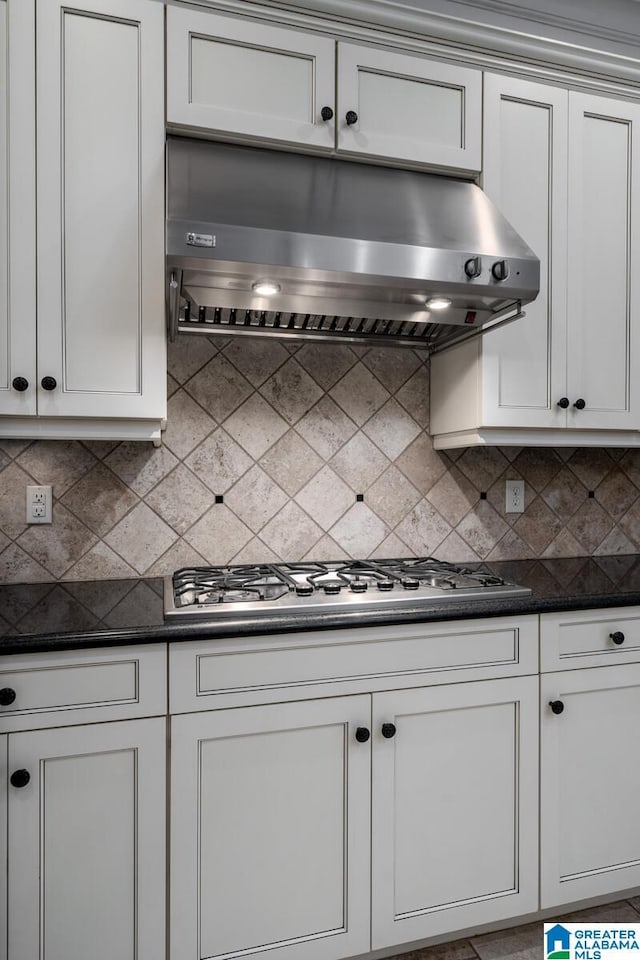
(352,251)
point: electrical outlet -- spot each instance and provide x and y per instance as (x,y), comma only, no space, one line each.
(39,501)
(515,496)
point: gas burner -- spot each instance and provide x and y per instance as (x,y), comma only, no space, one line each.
(327,587)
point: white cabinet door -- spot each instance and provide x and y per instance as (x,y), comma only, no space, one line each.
(604,246)
(525,174)
(589,783)
(408,108)
(17,208)
(270,832)
(100,181)
(249,79)
(86,842)
(454,808)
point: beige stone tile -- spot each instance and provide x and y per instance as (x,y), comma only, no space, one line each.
(187,355)
(5,460)
(326,550)
(219,388)
(4,541)
(256,426)
(456,950)
(326,428)
(510,547)
(482,529)
(16,566)
(326,362)
(630,525)
(630,464)
(359,463)
(291,533)
(180,499)
(100,499)
(619,911)
(100,563)
(13,484)
(537,466)
(256,552)
(564,494)
(414,396)
(141,607)
(140,465)
(590,525)
(255,498)
(255,359)
(392,496)
(635,903)
(60,612)
(218,535)
(59,545)
(180,554)
(520,943)
(100,597)
(422,464)
(392,365)
(453,496)
(13,447)
(538,525)
(359,531)
(325,498)
(423,529)
(291,391)
(392,429)
(483,465)
(590,465)
(291,462)
(615,543)
(172,385)
(455,550)
(56,462)
(359,394)
(141,537)
(100,448)
(616,493)
(219,461)
(391,548)
(187,424)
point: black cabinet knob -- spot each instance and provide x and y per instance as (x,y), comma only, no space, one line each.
(326,113)
(7,696)
(388,730)
(617,637)
(500,270)
(20,384)
(563,402)
(351,117)
(580,404)
(48,383)
(473,267)
(362,734)
(556,705)
(20,778)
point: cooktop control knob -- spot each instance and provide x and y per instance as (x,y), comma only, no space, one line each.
(331,588)
(385,584)
(473,267)
(500,270)
(304,589)
(358,586)
(410,583)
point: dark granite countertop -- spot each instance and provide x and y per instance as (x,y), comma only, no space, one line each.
(39,617)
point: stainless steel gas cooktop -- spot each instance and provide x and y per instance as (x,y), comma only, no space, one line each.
(308,588)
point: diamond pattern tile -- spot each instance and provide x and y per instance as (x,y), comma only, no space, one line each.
(288,434)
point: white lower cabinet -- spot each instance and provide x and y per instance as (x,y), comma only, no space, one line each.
(272,849)
(270,830)
(86,829)
(455,774)
(590,783)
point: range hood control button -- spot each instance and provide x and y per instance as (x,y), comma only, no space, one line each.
(500,270)
(473,267)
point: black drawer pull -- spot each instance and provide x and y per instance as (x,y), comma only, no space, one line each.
(388,730)
(617,637)
(362,734)
(20,778)
(7,696)
(557,706)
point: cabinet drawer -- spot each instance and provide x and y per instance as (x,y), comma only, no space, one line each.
(238,671)
(64,688)
(587,638)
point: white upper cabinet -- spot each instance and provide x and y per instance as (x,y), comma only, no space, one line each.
(249,79)
(241,79)
(406,107)
(558,165)
(99,331)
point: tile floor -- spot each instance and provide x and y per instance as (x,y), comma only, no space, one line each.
(524,942)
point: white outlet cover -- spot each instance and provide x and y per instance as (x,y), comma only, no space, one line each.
(514,496)
(39,503)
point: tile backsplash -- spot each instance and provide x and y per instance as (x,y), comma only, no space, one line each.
(300,451)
